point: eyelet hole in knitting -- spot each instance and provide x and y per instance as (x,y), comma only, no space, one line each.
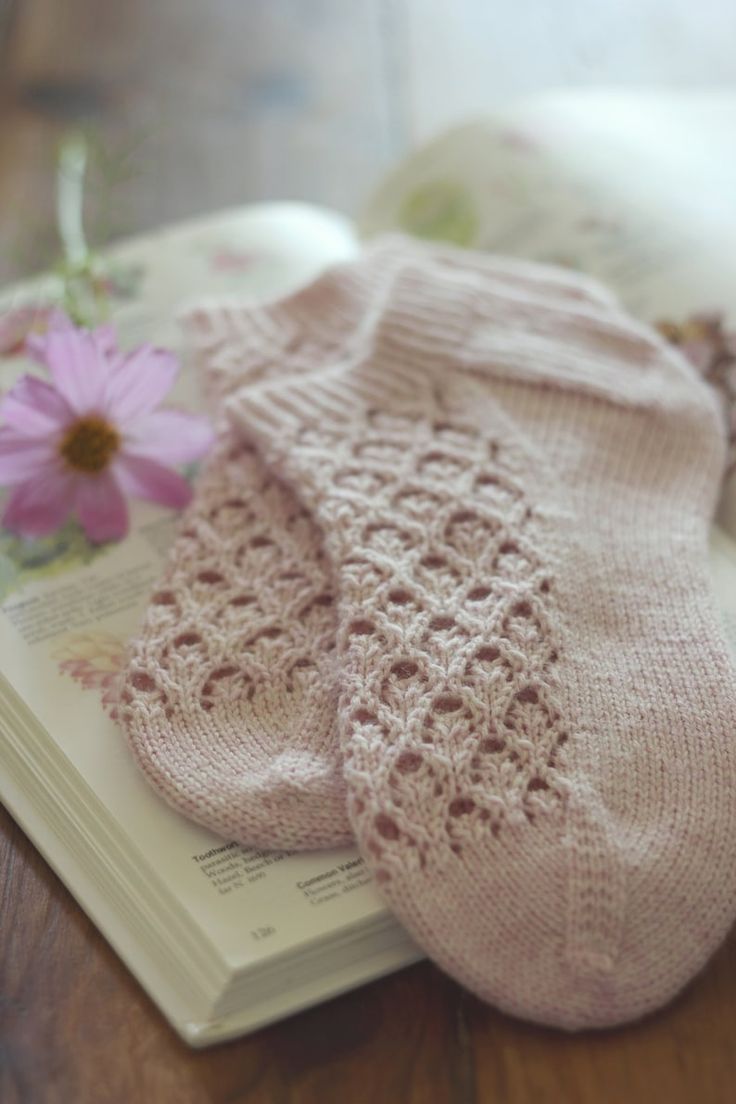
(461,806)
(409,762)
(164,598)
(210,577)
(489,653)
(462,517)
(187,640)
(223,673)
(242,600)
(143,682)
(404,669)
(447,703)
(479,594)
(361,627)
(399,597)
(364,716)
(386,827)
(537,784)
(442,623)
(261,541)
(271,632)
(434,563)
(301,664)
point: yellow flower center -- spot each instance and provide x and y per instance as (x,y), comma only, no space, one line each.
(89,444)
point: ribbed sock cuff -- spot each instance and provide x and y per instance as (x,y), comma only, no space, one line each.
(330,398)
(409,305)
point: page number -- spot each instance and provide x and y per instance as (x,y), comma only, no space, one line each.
(263,933)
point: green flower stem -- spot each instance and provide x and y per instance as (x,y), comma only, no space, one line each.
(71,169)
(79,270)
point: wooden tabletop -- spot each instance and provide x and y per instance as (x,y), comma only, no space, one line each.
(202,105)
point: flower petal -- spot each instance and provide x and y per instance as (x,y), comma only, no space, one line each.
(144,478)
(23,457)
(101,507)
(39,506)
(140,382)
(35,408)
(106,339)
(169,436)
(56,320)
(17,323)
(78,369)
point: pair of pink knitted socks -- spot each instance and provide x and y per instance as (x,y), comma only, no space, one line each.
(443,589)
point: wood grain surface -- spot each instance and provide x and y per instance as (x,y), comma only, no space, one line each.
(203,105)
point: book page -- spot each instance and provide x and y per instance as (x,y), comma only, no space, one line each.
(634,188)
(68,608)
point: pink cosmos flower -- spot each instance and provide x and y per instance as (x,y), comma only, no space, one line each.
(91,436)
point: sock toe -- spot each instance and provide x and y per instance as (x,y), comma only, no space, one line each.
(539,941)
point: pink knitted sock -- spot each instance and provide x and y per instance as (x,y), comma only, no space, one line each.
(229,698)
(537,705)
(228,701)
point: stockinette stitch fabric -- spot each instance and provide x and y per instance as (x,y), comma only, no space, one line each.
(536,703)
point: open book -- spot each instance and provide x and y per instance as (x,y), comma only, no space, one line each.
(223,938)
